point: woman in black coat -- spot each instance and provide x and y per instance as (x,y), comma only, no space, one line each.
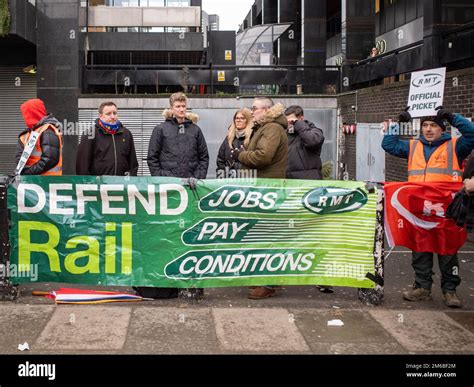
(238,135)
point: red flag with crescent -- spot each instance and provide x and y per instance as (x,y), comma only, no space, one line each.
(415,217)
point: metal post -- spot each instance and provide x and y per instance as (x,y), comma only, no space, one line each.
(211,80)
(375,296)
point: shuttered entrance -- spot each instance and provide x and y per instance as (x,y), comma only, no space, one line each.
(15,88)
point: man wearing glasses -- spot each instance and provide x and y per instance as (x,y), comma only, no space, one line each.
(267,153)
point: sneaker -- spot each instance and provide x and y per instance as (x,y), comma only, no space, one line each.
(325,289)
(451,300)
(417,294)
(261,292)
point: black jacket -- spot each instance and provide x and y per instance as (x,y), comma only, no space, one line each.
(304,151)
(50,149)
(178,150)
(469,167)
(107,154)
(223,157)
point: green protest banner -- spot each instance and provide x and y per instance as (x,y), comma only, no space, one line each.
(150,231)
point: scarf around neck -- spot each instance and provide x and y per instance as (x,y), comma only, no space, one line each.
(110,128)
(240,133)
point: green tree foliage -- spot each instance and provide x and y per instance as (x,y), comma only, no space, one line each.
(4,18)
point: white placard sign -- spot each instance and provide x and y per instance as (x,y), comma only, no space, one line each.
(426,92)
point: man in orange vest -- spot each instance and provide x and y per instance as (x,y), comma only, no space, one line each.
(39,148)
(434,157)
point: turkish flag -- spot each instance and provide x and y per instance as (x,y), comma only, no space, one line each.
(415,217)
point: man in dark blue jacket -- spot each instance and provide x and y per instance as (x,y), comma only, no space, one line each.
(433,137)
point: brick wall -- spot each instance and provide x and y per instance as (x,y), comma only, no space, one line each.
(386,101)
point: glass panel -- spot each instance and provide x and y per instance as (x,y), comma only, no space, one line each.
(123,3)
(153,3)
(178,3)
(255,45)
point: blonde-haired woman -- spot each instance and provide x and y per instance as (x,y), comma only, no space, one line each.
(238,135)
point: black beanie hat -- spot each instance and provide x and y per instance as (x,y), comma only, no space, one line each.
(436,119)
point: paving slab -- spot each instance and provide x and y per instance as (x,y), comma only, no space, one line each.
(171,331)
(81,328)
(360,334)
(466,319)
(421,331)
(27,322)
(255,330)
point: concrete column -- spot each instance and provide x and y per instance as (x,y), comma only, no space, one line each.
(58,66)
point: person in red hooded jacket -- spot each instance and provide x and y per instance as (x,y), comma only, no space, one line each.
(46,156)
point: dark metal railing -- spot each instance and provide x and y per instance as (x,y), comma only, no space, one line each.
(214,79)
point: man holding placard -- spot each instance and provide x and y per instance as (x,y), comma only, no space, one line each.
(433,157)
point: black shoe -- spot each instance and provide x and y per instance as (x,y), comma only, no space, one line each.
(325,289)
(156,293)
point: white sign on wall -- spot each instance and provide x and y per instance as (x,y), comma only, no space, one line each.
(426,92)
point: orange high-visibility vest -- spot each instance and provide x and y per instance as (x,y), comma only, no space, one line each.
(442,166)
(35,156)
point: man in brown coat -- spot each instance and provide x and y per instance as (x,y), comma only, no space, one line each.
(267,153)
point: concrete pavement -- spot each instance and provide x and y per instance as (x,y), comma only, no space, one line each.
(226,322)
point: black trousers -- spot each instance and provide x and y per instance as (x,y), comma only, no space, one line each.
(422,263)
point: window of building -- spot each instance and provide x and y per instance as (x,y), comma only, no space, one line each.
(400,13)
(419,8)
(389,18)
(410,10)
(255,45)
(152,3)
(148,3)
(178,3)
(455,12)
(333,25)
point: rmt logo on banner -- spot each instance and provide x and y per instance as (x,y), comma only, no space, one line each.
(426,92)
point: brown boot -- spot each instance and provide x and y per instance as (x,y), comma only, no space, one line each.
(417,294)
(261,292)
(451,300)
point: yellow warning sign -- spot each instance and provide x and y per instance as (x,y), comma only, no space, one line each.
(221,76)
(228,54)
